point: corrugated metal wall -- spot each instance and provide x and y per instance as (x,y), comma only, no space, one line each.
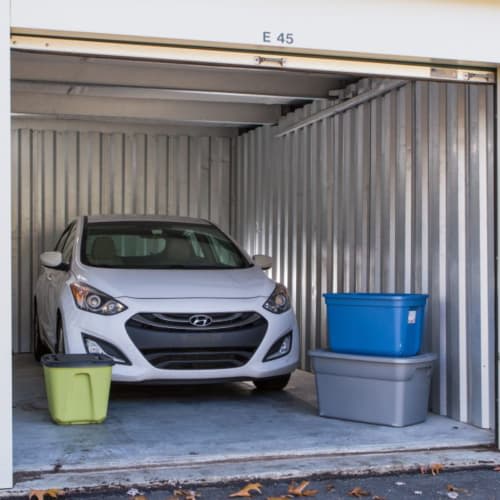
(64,169)
(392,195)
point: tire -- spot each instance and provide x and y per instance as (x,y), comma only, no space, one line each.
(39,347)
(60,347)
(272,383)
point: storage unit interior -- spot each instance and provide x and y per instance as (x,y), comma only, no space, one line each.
(351,183)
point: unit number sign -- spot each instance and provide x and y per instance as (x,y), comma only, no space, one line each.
(283,38)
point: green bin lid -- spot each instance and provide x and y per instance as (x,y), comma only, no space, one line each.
(76,360)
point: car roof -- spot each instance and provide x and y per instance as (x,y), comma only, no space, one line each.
(136,218)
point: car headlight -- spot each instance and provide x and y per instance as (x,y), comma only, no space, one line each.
(89,299)
(279,301)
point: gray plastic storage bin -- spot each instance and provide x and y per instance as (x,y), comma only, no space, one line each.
(378,390)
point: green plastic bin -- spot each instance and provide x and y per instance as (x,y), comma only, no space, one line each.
(77,387)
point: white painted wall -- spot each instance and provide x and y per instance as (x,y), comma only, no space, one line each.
(458,30)
(5,255)
(445,30)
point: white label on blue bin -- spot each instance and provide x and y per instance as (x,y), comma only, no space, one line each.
(412,317)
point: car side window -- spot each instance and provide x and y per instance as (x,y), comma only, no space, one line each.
(67,248)
(62,239)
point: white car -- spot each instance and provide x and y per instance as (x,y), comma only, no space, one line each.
(168,299)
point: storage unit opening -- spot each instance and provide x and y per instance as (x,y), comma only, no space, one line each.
(350,183)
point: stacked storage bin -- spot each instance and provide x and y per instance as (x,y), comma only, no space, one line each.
(372,371)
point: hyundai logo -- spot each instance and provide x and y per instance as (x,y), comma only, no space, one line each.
(200,320)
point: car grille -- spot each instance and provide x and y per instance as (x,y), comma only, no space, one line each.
(170,341)
(180,322)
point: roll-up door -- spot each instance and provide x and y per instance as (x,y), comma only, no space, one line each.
(242,58)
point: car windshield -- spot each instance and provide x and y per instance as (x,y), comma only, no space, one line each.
(159,245)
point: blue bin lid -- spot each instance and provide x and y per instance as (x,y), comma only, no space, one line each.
(76,360)
(386,298)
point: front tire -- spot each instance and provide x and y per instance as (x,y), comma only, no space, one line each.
(60,347)
(272,383)
(39,347)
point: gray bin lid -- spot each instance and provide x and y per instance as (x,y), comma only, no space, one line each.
(76,360)
(411,360)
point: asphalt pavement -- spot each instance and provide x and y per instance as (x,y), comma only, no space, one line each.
(477,484)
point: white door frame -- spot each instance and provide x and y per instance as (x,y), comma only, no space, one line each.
(5,253)
(497,215)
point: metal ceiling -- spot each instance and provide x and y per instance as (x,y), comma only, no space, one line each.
(110,88)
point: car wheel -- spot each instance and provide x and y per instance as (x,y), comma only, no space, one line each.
(272,383)
(60,347)
(39,347)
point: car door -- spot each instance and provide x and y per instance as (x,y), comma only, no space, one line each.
(56,279)
(43,296)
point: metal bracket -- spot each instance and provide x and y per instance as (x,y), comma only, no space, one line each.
(462,75)
(280,61)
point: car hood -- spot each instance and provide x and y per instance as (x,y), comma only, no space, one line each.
(178,283)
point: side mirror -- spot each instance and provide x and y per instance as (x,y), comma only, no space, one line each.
(263,261)
(53,260)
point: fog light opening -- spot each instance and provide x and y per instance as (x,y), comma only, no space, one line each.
(280,348)
(93,347)
(98,346)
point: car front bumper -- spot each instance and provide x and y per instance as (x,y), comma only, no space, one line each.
(112,329)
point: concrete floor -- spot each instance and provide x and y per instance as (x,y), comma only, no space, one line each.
(159,426)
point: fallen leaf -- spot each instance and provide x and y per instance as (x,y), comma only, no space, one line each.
(436,469)
(246,491)
(299,490)
(359,492)
(40,494)
(139,497)
(450,487)
(187,494)
(377,497)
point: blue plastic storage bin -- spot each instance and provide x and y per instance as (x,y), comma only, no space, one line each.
(377,324)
